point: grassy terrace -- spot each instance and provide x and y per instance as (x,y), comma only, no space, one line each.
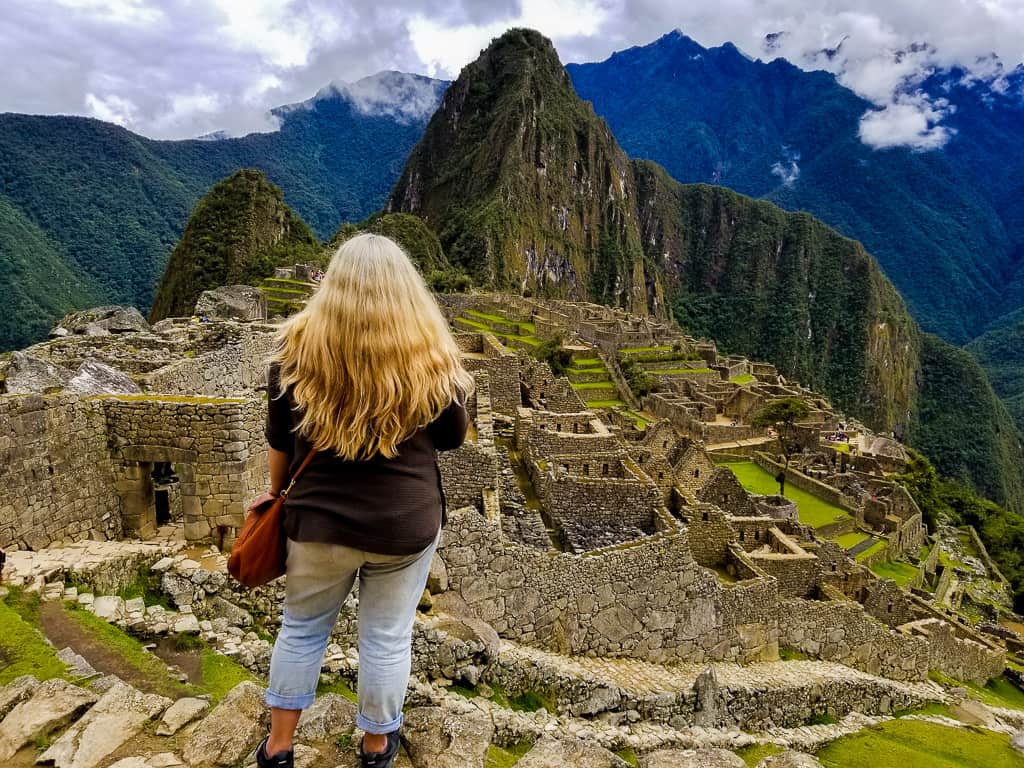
(641,350)
(594,385)
(916,744)
(850,540)
(746,378)
(875,548)
(899,572)
(813,511)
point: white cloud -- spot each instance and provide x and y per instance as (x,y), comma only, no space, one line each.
(907,121)
(174,68)
(788,169)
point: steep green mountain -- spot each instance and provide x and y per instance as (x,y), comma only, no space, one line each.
(41,285)
(525,186)
(783,287)
(113,204)
(514,165)
(1000,351)
(946,225)
(238,233)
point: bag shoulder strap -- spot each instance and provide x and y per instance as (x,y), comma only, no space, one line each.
(299,471)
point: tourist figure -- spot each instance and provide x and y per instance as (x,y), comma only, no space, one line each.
(369,375)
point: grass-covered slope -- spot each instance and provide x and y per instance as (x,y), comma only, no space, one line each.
(40,282)
(1000,351)
(963,428)
(238,233)
(525,186)
(783,287)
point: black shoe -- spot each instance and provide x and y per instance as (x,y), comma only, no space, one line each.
(384,759)
(284,759)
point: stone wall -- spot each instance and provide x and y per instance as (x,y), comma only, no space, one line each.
(228,371)
(710,533)
(56,482)
(502,367)
(647,600)
(959,658)
(216,445)
(839,630)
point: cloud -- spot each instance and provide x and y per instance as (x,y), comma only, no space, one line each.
(907,121)
(176,68)
(788,169)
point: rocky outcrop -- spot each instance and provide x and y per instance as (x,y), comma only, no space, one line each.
(230,731)
(181,713)
(53,704)
(29,375)
(232,302)
(17,691)
(435,738)
(101,321)
(551,752)
(117,717)
(96,378)
(692,758)
(330,716)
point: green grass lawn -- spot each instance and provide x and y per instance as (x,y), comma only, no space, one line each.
(813,511)
(23,650)
(754,754)
(898,571)
(850,540)
(594,385)
(603,403)
(587,362)
(916,744)
(485,316)
(878,546)
(472,323)
(746,378)
(595,369)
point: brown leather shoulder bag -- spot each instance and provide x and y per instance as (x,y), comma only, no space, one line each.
(260,552)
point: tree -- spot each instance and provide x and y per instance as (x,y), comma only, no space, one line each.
(783,415)
(552,353)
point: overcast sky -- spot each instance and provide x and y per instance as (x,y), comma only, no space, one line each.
(181,68)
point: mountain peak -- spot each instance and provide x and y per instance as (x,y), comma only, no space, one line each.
(402,96)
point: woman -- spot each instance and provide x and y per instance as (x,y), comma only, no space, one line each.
(369,376)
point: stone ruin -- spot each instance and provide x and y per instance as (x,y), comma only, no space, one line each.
(572,534)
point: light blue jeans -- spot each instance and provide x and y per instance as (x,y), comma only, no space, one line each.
(319,579)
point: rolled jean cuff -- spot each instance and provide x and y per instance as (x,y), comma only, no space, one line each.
(277,701)
(377,728)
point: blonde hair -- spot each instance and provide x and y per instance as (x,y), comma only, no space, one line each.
(370,359)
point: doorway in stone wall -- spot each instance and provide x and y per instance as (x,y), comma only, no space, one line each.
(155,485)
(166,493)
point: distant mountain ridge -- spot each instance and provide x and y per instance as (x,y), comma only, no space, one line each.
(946,225)
(110,205)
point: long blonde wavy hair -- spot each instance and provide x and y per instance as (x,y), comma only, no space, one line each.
(370,359)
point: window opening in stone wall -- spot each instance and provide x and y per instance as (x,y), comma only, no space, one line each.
(586,469)
(604,469)
(696,472)
(705,517)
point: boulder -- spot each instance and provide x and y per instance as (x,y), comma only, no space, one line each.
(232,302)
(28,375)
(15,692)
(330,716)
(117,717)
(436,738)
(1017,742)
(96,378)
(552,752)
(100,321)
(78,666)
(219,608)
(231,730)
(131,762)
(692,758)
(437,580)
(53,704)
(181,713)
(109,608)
(790,759)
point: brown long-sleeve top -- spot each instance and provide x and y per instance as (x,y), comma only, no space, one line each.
(387,506)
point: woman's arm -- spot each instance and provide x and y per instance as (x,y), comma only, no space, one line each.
(279,462)
(449,429)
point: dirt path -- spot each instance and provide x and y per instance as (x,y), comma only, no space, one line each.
(64,632)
